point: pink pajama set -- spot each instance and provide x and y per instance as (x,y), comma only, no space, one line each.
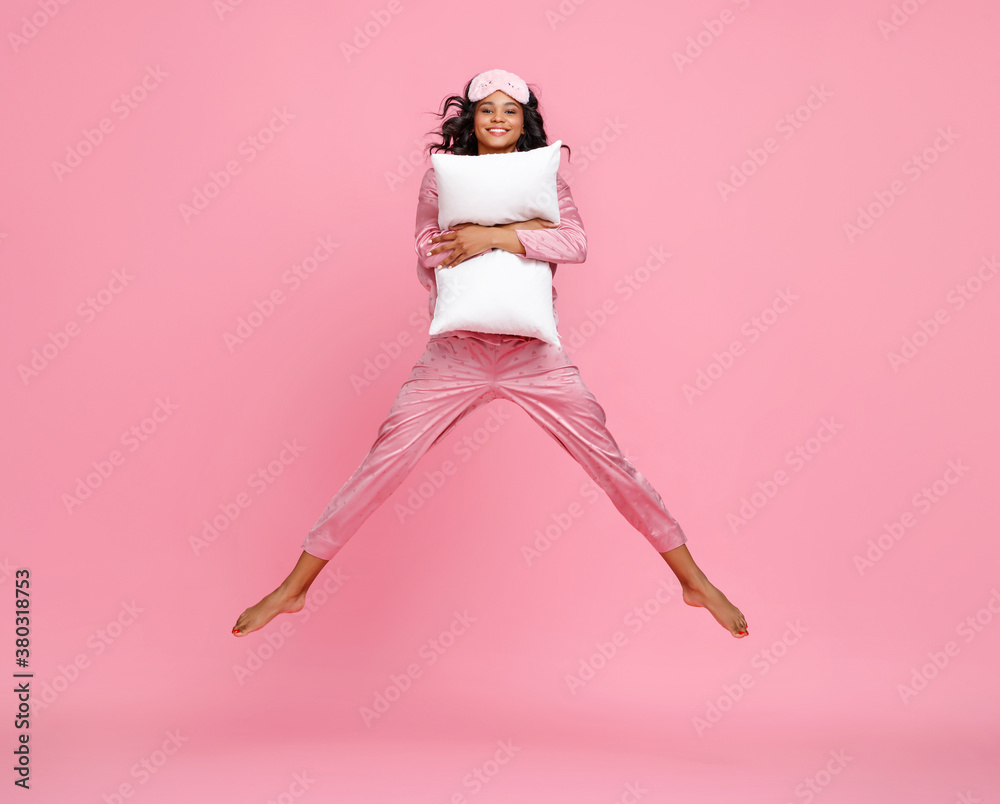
(460,371)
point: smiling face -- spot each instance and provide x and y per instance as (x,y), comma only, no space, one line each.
(499,121)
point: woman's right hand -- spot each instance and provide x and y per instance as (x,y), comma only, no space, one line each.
(459,251)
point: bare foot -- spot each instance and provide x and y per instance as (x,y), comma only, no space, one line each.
(270,606)
(708,596)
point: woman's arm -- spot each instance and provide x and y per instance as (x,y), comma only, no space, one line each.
(506,238)
(427,222)
(536,238)
(463,241)
(565,243)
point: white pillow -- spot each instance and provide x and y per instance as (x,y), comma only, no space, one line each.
(497,188)
(497,291)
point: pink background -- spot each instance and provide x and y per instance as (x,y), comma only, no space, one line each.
(809,705)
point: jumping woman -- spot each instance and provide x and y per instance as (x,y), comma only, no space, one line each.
(462,370)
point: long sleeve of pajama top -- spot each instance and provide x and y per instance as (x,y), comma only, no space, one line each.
(565,243)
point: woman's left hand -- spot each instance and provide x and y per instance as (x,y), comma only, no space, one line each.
(465,240)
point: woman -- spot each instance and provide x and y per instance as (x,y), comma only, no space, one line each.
(460,371)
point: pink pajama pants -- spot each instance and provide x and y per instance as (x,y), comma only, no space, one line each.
(458,373)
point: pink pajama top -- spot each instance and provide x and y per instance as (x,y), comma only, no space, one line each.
(565,243)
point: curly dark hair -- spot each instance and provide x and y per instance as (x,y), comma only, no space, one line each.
(458,131)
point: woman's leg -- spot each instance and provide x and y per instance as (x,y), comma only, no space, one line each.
(544,382)
(289,596)
(699,591)
(448,382)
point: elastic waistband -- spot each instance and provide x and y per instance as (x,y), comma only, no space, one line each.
(488,337)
